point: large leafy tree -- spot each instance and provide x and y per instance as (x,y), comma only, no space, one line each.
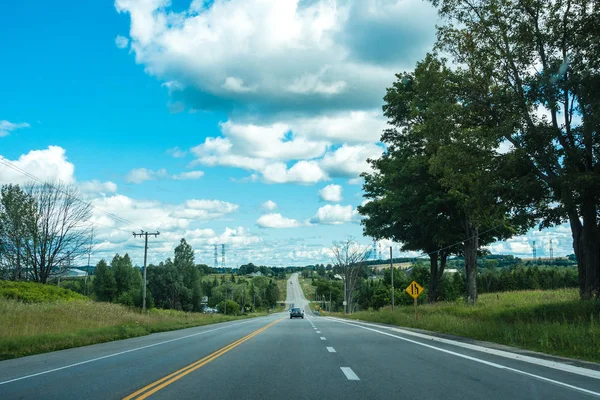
(105,286)
(440,180)
(543,60)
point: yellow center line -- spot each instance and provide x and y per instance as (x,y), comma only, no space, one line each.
(167,380)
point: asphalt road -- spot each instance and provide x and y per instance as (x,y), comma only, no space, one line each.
(277,358)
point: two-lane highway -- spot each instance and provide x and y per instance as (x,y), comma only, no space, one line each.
(274,357)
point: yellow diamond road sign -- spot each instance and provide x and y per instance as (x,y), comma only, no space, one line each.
(414,289)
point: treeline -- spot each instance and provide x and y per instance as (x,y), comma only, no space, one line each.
(177,284)
(377,293)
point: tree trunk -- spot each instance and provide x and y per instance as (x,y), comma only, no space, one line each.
(471,246)
(586,248)
(434,278)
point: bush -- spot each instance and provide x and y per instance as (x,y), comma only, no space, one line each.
(32,292)
(233,308)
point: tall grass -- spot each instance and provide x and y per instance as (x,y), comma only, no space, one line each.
(554,322)
(30,328)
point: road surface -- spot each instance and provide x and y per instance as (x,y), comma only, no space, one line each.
(274,357)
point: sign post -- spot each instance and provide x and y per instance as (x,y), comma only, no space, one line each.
(414,290)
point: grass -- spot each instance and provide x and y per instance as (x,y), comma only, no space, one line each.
(282,286)
(31,328)
(553,322)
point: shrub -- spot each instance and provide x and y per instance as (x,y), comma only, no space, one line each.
(32,292)
(233,308)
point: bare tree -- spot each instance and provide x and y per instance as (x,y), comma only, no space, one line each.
(349,257)
(61,229)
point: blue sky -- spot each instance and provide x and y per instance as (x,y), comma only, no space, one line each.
(188,116)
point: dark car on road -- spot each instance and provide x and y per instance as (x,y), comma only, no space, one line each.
(296,312)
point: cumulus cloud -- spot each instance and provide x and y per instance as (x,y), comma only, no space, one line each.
(331,193)
(298,55)
(350,161)
(47,164)
(188,175)
(6,127)
(139,175)
(96,186)
(269,205)
(121,41)
(276,220)
(334,215)
(301,172)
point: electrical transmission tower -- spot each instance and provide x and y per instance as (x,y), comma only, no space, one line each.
(145,234)
(534,254)
(374,249)
(222,256)
(216,258)
(380,256)
(551,253)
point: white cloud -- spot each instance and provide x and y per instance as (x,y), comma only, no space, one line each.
(297,55)
(301,172)
(350,161)
(139,175)
(269,205)
(334,215)
(215,206)
(276,220)
(331,193)
(343,127)
(121,41)
(6,127)
(236,85)
(95,186)
(188,175)
(177,152)
(47,164)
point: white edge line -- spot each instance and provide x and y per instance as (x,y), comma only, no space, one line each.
(331,350)
(350,374)
(506,354)
(119,353)
(491,364)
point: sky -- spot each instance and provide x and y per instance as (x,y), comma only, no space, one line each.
(238,122)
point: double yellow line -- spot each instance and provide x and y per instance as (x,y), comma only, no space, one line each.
(167,380)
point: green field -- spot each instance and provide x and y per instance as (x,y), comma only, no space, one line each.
(554,322)
(307,288)
(30,328)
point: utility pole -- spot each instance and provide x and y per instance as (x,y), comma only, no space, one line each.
(392,270)
(329,300)
(87,269)
(145,234)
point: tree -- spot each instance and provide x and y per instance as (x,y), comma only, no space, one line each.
(17,211)
(105,286)
(60,231)
(349,257)
(440,172)
(542,58)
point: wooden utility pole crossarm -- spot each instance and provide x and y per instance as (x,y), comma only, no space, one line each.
(145,234)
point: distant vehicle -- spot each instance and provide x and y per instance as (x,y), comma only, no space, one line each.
(296,312)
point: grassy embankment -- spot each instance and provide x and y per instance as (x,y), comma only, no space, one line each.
(47,318)
(553,322)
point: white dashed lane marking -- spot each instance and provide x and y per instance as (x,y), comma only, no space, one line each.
(331,349)
(350,374)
